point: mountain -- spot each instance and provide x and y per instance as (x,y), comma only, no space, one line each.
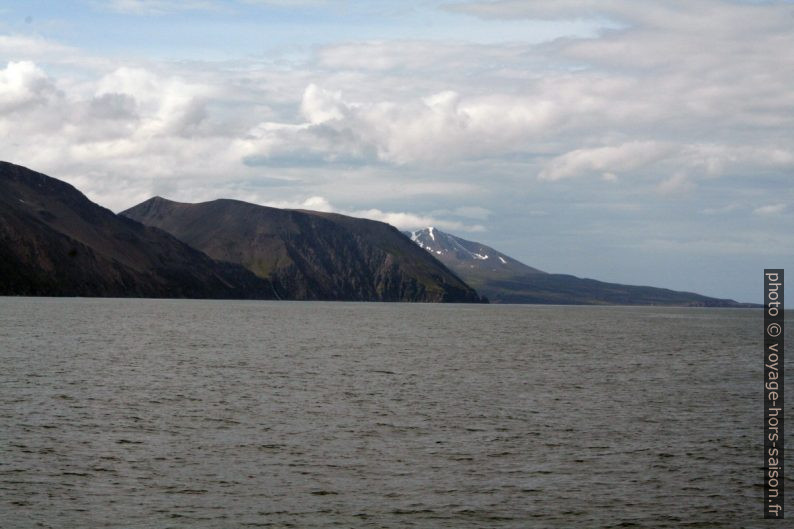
(56,242)
(309,255)
(481,262)
(503,279)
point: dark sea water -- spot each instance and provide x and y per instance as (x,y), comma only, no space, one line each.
(215,414)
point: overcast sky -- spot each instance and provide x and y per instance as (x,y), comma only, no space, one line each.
(623,140)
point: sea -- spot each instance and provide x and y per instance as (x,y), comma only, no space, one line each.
(142,413)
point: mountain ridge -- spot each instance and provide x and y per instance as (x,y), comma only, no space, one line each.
(54,241)
(503,279)
(309,255)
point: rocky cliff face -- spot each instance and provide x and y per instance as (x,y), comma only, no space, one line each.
(309,255)
(56,242)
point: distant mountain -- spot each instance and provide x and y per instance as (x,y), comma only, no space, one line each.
(480,261)
(504,280)
(309,255)
(56,242)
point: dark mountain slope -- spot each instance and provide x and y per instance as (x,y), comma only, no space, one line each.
(505,280)
(309,255)
(56,242)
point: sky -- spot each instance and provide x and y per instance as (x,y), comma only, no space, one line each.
(631,141)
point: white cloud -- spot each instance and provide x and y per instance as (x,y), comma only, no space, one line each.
(35,48)
(609,177)
(23,84)
(31,48)
(317,204)
(400,220)
(650,157)
(314,203)
(320,105)
(771,209)
(407,221)
(409,56)
(679,183)
(433,129)
(167,104)
(716,159)
(604,160)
